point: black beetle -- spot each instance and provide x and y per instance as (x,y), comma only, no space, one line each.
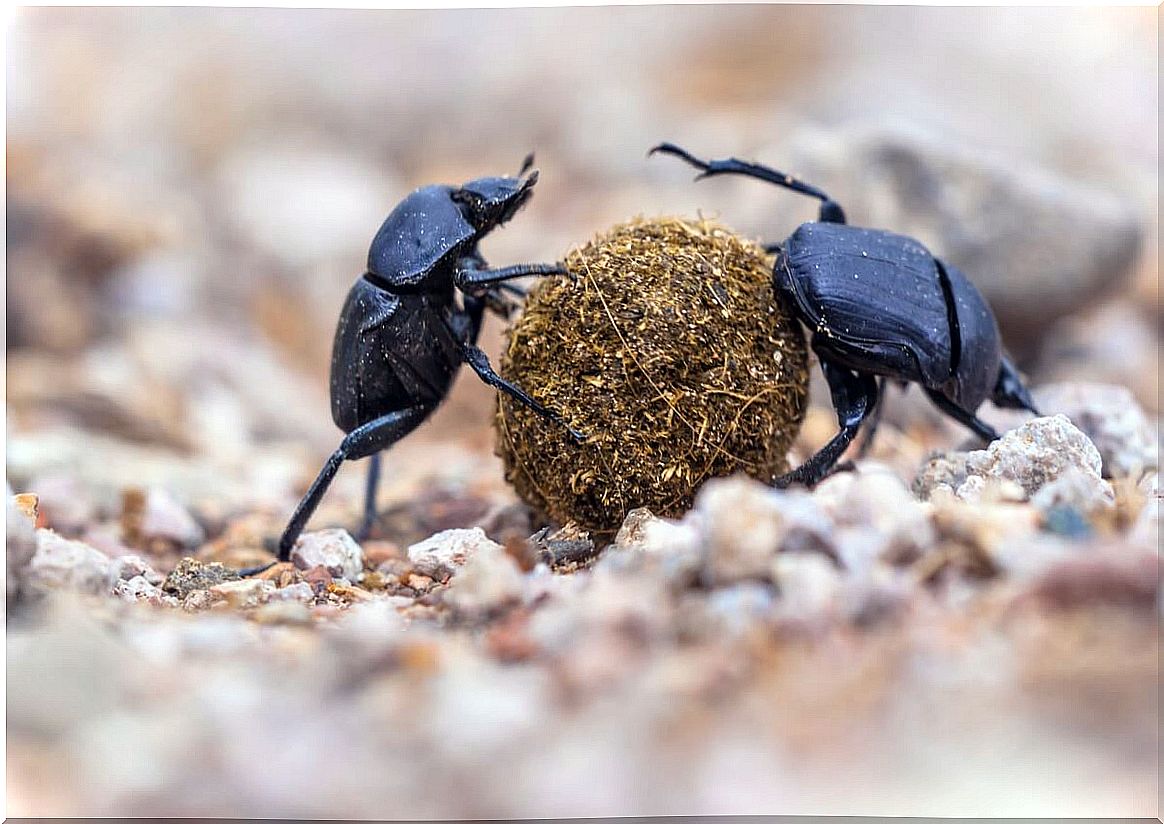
(879,305)
(402,335)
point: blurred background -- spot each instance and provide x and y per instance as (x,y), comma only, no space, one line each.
(191,193)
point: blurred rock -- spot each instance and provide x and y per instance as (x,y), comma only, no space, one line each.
(1077,489)
(1038,245)
(740,608)
(153,516)
(334,549)
(1113,420)
(134,566)
(743,524)
(300,591)
(876,516)
(488,581)
(1032,456)
(440,556)
(809,585)
(244,594)
(20,542)
(63,564)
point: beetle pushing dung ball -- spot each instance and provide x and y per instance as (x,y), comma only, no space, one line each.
(879,306)
(671,349)
(403,334)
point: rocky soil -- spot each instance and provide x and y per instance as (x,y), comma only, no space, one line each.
(950,628)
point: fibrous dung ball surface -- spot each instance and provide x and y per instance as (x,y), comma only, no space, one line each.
(670,349)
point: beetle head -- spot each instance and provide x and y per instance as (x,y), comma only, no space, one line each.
(490,201)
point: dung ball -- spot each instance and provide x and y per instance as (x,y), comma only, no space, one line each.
(670,349)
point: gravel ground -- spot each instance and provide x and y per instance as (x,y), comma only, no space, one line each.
(951,628)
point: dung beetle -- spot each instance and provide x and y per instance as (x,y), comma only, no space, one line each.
(413,318)
(879,306)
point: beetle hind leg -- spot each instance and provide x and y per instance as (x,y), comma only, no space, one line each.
(855,396)
(972,422)
(373,484)
(830,210)
(361,442)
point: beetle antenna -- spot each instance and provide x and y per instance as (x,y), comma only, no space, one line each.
(830,210)
(526,164)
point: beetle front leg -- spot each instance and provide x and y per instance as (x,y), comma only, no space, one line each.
(854,396)
(361,442)
(479,362)
(469,274)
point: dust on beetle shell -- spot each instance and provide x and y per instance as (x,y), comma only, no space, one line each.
(672,352)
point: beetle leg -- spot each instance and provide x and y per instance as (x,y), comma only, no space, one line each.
(370,498)
(854,396)
(830,210)
(975,424)
(469,276)
(1009,391)
(361,442)
(873,421)
(479,363)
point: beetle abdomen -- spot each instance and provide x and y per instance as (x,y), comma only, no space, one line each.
(390,352)
(876,294)
(981,345)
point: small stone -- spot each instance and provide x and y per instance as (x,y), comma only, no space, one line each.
(1031,456)
(420,583)
(300,591)
(191,576)
(140,589)
(198,599)
(27,505)
(441,555)
(331,548)
(134,566)
(63,564)
(489,581)
(633,532)
(244,594)
(568,548)
(319,578)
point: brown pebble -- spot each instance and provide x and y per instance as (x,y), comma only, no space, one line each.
(28,504)
(420,583)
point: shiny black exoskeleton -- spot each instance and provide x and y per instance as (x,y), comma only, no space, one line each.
(413,318)
(879,306)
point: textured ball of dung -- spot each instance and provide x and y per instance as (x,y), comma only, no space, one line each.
(672,352)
